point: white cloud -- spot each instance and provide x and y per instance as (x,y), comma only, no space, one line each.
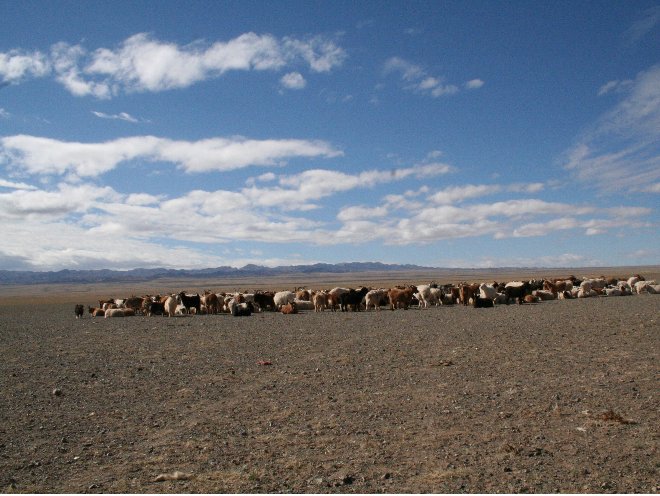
(14,185)
(17,65)
(566,260)
(4,114)
(321,54)
(456,194)
(272,214)
(66,200)
(293,81)
(122,116)
(614,87)
(142,63)
(65,59)
(474,84)
(36,155)
(653,188)
(362,213)
(417,80)
(622,150)
(75,247)
(640,28)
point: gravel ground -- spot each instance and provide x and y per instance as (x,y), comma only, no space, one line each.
(560,396)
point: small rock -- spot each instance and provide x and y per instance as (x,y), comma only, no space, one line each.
(57,392)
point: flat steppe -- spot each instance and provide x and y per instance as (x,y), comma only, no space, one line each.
(560,396)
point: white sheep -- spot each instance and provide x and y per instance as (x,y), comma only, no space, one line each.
(281,298)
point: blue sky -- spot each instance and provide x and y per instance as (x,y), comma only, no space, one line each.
(449,134)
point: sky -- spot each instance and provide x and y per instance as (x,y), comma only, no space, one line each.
(214,133)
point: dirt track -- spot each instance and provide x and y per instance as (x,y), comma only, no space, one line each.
(555,397)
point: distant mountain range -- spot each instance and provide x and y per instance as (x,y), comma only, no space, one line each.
(8,277)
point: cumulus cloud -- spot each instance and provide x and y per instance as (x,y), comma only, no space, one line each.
(622,149)
(142,63)
(37,155)
(17,65)
(271,210)
(293,81)
(448,214)
(74,246)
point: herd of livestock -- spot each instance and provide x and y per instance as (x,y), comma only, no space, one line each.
(355,299)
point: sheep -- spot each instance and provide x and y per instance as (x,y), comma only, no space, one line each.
(289,308)
(544,294)
(96,312)
(374,298)
(320,300)
(642,286)
(281,298)
(114,312)
(170,305)
(610,291)
(487,291)
(304,304)
(425,296)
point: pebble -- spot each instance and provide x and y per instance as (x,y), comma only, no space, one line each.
(57,392)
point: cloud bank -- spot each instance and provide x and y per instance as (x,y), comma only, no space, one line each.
(142,63)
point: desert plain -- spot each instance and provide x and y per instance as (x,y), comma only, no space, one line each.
(559,396)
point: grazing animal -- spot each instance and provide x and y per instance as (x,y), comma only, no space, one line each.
(281,298)
(374,298)
(133,302)
(642,286)
(544,294)
(114,312)
(242,309)
(468,291)
(80,311)
(154,308)
(320,300)
(334,297)
(210,300)
(487,291)
(352,299)
(401,297)
(478,302)
(96,312)
(427,296)
(265,300)
(289,308)
(517,290)
(104,304)
(170,305)
(191,301)
(565,295)
(304,295)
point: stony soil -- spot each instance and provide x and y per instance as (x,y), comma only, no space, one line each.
(555,397)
